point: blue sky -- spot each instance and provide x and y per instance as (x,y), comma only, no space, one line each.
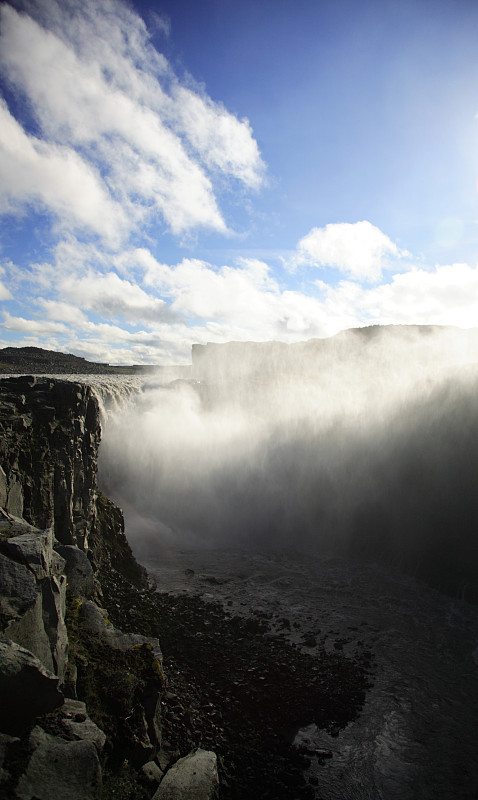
(180,172)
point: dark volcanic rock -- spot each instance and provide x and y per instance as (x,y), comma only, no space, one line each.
(37,360)
(79,571)
(58,768)
(27,689)
(57,528)
(50,434)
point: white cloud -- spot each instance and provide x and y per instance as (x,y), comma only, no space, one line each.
(32,326)
(130,307)
(222,141)
(242,302)
(140,139)
(228,293)
(5,293)
(55,177)
(358,249)
(447,295)
(113,297)
(63,312)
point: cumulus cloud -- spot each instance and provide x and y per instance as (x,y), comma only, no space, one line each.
(113,297)
(63,312)
(118,131)
(243,299)
(446,295)
(32,326)
(56,178)
(358,249)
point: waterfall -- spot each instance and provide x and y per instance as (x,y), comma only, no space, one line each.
(353,461)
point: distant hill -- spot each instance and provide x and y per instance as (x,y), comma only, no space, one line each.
(37,361)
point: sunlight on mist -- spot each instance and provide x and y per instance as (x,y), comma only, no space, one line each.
(363,444)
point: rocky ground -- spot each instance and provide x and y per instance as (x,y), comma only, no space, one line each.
(237,690)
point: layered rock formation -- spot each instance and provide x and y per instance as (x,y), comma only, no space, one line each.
(80,699)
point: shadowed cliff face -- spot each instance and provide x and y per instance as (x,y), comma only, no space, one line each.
(364,446)
(48,451)
(57,650)
(50,434)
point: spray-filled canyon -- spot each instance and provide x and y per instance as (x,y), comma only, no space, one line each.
(306,515)
(363,445)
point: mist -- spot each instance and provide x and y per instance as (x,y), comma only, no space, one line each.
(363,445)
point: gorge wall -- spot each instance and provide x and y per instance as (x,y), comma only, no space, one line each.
(80,698)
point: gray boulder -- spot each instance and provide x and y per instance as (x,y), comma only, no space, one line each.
(18,591)
(26,688)
(152,772)
(79,571)
(14,500)
(33,596)
(35,549)
(77,723)
(29,632)
(60,770)
(193,777)
(97,622)
(145,718)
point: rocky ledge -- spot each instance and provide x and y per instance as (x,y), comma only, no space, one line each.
(90,706)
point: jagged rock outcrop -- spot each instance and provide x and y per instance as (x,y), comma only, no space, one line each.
(96,620)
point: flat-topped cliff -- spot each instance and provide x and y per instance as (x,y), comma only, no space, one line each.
(384,347)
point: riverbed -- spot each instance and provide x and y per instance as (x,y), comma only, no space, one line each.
(415,735)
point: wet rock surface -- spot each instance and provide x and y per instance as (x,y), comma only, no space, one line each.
(414,735)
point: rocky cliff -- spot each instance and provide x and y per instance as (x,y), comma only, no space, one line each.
(80,698)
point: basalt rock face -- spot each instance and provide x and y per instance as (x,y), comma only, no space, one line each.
(50,434)
(77,701)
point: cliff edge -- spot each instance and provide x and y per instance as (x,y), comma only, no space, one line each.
(80,698)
